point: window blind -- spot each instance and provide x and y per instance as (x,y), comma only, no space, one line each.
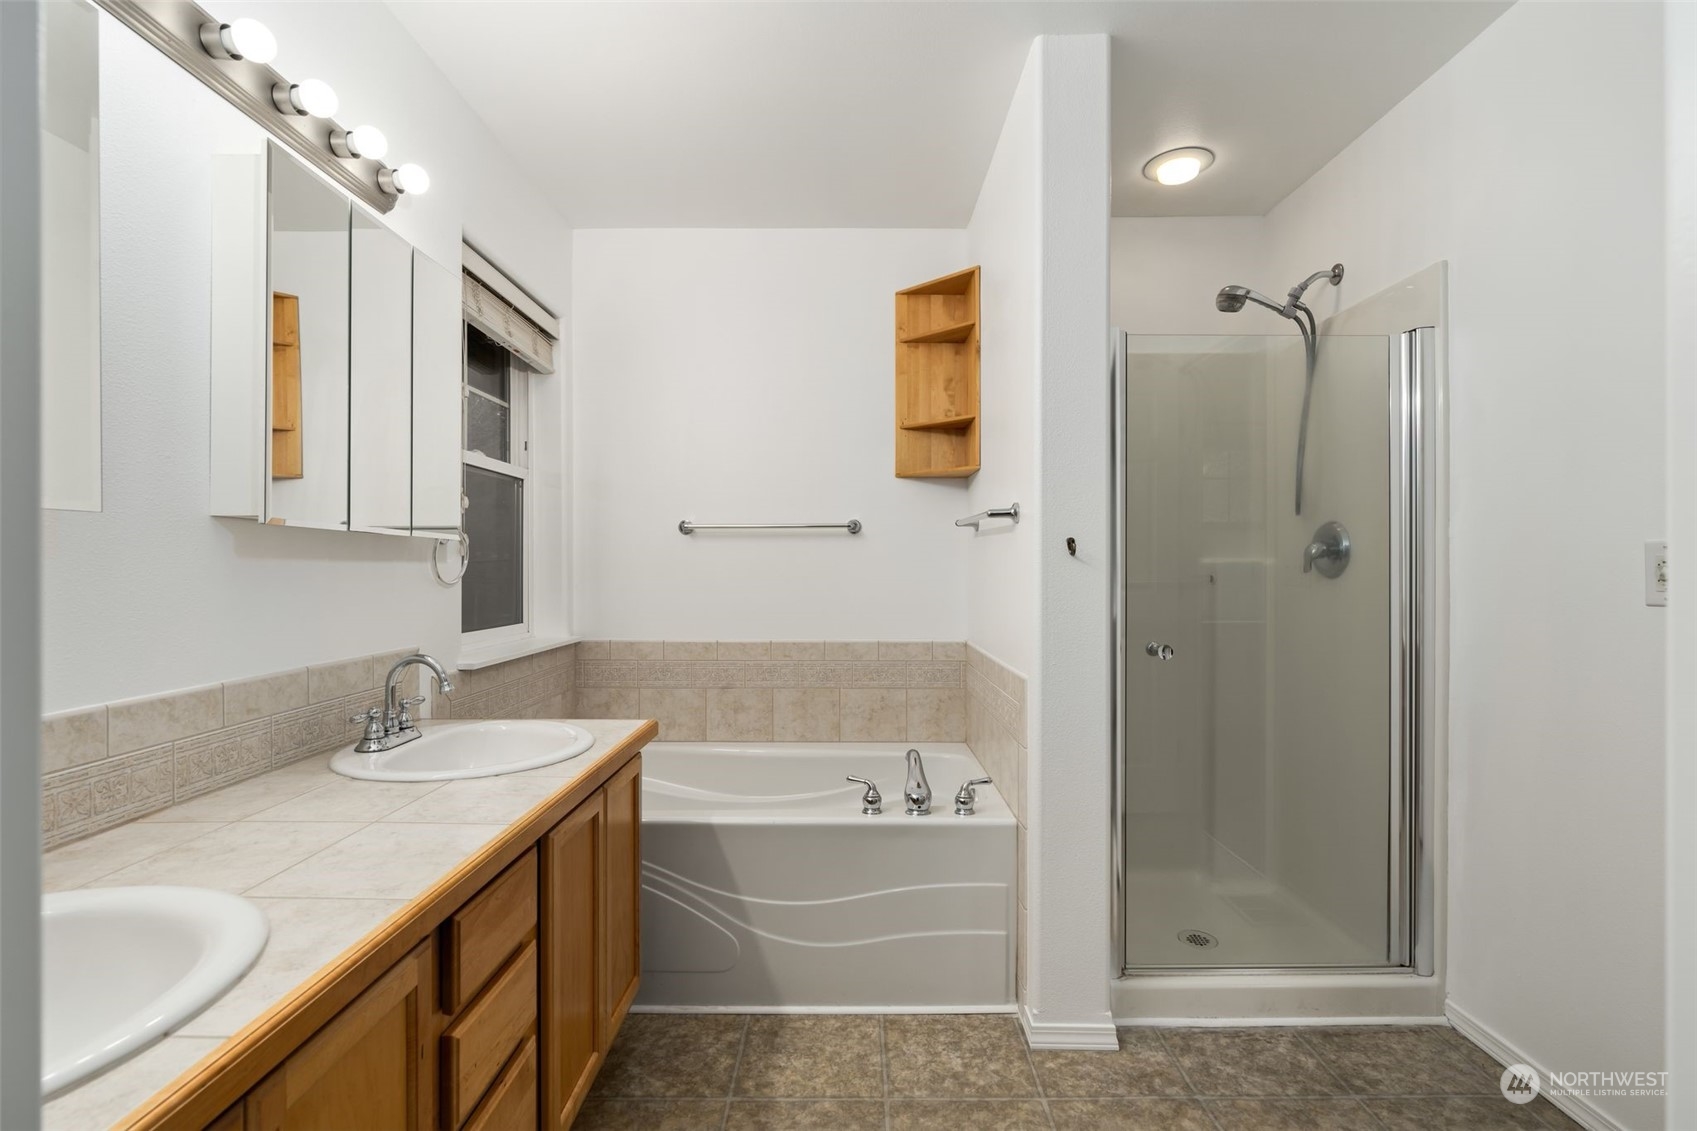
(486,303)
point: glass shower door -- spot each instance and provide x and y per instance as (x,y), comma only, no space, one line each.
(1261,768)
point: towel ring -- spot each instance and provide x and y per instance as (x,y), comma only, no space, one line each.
(436,561)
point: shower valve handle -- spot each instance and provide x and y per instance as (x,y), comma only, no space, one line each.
(1158,650)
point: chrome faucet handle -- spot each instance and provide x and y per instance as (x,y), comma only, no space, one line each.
(966,796)
(871,802)
(406,705)
(373,720)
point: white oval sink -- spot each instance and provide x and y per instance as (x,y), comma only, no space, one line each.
(469,750)
(121,967)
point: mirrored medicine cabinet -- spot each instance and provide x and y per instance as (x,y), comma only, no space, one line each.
(336,359)
(335,347)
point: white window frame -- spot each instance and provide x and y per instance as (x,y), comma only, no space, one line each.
(519,376)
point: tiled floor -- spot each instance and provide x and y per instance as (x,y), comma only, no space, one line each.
(671,1072)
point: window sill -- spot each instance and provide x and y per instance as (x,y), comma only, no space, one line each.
(488,655)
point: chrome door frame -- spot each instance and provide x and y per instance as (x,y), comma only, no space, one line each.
(1410,399)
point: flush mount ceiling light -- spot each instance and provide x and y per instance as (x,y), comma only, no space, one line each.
(1178,166)
(312,98)
(361,141)
(242,39)
(409,178)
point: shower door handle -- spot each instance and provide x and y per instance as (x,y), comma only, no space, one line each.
(1158,650)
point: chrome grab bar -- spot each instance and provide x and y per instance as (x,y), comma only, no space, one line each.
(973,520)
(688,527)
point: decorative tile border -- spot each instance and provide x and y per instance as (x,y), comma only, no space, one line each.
(779,690)
(113,763)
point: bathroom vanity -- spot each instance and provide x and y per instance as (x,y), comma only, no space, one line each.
(488,1001)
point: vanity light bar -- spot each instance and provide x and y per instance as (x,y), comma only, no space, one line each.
(232,59)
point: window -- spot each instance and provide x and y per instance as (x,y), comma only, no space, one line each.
(493,594)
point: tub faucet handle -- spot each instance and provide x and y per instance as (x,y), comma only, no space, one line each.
(966,797)
(871,802)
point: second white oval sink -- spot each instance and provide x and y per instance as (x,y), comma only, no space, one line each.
(469,750)
(121,967)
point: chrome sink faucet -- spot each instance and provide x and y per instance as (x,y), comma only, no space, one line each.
(394,725)
(917,792)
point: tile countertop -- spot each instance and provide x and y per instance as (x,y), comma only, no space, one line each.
(327,858)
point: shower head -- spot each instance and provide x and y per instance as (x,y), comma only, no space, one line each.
(1230,300)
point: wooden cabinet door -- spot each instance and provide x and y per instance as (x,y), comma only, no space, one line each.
(368,1068)
(570,927)
(622,898)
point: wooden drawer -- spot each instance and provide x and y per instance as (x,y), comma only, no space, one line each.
(511,1102)
(488,931)
(483,1038)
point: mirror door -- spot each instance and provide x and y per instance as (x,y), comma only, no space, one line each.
(380,379)
(308,265)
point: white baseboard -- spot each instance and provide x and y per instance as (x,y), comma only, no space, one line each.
(1098,1036)
(1576,1107)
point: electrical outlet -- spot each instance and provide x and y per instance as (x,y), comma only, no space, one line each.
(1655,573)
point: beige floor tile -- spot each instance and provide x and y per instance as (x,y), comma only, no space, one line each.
(811,1056)
(972,1056)
(1130,1115)
(673,1055)
(806,1115)
(1454,1113)
(960,1115)
(1250,1062)
(1292,1115)
(1406,1061)
(1141,1067)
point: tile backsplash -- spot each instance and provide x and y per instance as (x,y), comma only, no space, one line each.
(106,765)
(996,731)
(779,690)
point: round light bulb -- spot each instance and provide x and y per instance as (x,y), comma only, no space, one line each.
(250,40)
(368,141)
(315,97)
(1178,171)
(1178,166)
(412,178)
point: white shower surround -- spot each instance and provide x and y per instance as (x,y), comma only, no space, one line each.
(765,889)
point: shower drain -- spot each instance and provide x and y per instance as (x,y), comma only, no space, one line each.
(1200,939)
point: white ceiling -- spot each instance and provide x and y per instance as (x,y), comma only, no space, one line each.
(822,113)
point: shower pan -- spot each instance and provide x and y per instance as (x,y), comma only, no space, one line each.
(1272,785)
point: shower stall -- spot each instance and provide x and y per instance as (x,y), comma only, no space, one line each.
(1273,781)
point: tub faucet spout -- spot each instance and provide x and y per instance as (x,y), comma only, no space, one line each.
(918,791)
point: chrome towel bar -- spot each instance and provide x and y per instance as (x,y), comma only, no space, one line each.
(1009,511)
(688,527)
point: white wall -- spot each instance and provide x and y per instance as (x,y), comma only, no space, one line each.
(1167,270)
(152,594)
(1001,559)
(1071,701)
(1557,396)
(1557,470)
(744,376)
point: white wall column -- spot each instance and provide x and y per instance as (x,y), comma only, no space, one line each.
(1070,960)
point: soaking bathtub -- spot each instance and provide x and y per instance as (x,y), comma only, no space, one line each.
(764,888)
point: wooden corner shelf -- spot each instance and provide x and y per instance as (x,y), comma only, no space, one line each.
(941,424)
(937,360)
